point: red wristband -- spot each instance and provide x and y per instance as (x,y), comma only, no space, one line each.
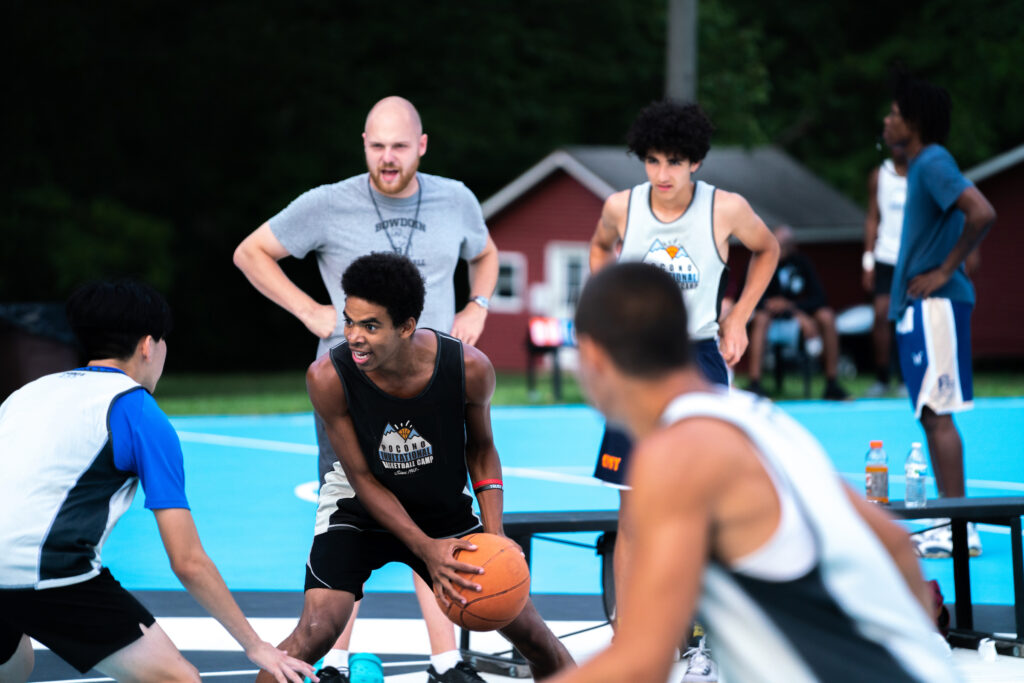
(487,484)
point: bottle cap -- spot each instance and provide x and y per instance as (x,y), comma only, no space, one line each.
(876,444)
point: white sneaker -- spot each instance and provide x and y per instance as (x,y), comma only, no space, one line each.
(973,540)
(937,543)
(700,668)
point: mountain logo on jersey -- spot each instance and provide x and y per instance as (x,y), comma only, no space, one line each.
(403,450)
(673,259)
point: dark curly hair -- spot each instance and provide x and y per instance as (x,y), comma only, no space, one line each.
(673,128)
(926,107)
(109,318)
(388,280)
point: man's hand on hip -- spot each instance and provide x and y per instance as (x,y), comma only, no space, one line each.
(469,324)
(321,320)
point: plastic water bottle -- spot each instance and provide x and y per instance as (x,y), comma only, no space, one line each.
(364,667)
(876,474)
(914,470)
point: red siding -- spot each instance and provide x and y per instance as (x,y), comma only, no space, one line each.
(559,208)
(998,323)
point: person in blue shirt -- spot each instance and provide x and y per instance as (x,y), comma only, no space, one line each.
(76,446)
(944,220)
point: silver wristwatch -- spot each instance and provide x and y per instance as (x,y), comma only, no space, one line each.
(481,301)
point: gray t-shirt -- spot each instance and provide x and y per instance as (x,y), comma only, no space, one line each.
(339,223)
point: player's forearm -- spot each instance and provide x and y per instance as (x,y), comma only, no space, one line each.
(600,256)
(870,234)
(975,229)
(483,272)
(389,512)
(267,276)
(759,275)
(201,579)
(485,476)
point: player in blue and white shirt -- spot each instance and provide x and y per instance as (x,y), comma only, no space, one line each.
(76,446)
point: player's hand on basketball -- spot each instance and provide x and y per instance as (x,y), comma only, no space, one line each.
(469,323)
(733,339)
(321,321)
(446,571)
(922,286)
(280,664)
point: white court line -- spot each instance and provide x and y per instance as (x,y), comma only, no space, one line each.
(308,490)
(244,442)
(303,491)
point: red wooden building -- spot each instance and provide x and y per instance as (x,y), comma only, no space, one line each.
(998,323)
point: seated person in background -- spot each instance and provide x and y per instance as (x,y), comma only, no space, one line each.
(796,292)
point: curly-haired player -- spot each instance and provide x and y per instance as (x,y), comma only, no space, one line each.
(682,226)
(407,411)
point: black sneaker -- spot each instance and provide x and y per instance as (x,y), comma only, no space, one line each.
(460,673)
(329,674)
(834,392)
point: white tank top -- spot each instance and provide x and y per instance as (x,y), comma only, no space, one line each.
(891,195)
(851,602)
(61,492)
(685,248)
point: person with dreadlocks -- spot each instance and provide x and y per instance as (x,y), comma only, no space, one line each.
(944,220)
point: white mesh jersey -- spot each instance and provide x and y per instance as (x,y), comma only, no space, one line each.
(60,493)
(891,195)
(684,248)
(851,616)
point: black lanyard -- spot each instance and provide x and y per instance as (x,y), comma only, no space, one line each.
(415,220)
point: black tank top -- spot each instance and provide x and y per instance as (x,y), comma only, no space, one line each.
(415,447)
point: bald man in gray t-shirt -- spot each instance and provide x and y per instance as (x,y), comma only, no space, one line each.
(432,220)
(435,227)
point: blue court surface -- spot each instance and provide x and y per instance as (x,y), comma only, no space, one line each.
(251,484)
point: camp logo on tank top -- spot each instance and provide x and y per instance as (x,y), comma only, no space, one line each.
(673,259)
(403,450)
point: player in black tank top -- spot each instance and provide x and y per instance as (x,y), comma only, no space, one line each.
(415,447)
(408,414)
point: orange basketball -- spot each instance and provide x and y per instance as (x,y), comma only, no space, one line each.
(505,583)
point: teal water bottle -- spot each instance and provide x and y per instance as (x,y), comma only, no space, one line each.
(364,667)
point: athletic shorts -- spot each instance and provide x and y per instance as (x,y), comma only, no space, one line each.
(934,340)
(883,278)
(613,456)
(83,623)
(343,559)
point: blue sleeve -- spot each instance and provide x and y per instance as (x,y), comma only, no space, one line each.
(146,444)
(943,179)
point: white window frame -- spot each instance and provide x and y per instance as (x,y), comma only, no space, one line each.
(557,255)
(515,303)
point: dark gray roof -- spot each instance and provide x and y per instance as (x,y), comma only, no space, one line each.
(996,165)
(778,188)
